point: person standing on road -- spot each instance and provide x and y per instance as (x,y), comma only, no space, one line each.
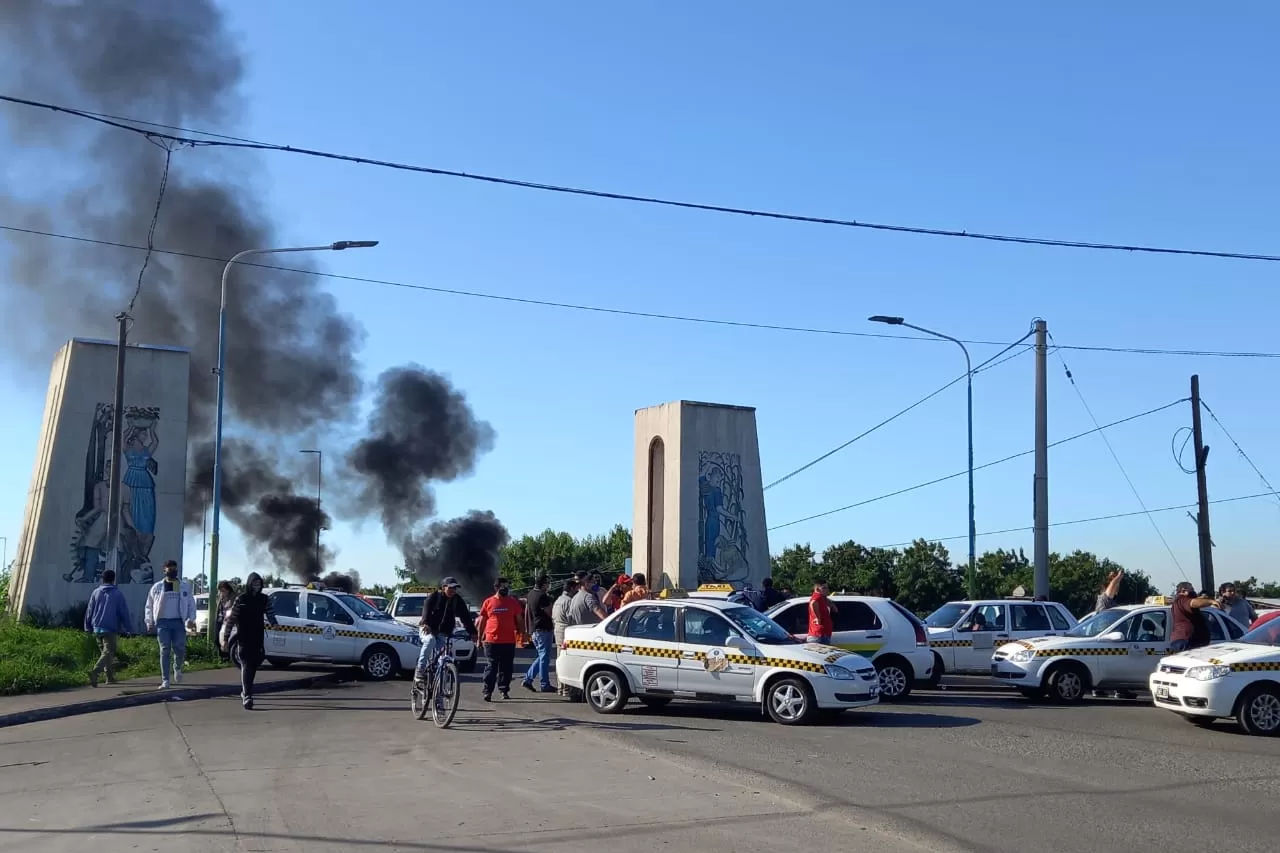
(1235,605)
(639,590)
(106,617)
(441,613)
(769,596)
(586,609)
(539,625)
(820,612)
(249,615)
(560,621)
(1190,627)
(500,619)
(171,607)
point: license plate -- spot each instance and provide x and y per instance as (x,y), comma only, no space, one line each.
(1162,692)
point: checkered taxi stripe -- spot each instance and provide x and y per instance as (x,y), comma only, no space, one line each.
(1087,651)
(1258,666)
(745,660)
(949,644)
(358,635)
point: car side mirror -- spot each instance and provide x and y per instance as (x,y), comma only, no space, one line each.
(1113,637)
(736,642)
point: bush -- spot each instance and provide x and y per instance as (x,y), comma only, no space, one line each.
(34,660)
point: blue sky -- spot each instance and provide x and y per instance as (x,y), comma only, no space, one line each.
(1137,125)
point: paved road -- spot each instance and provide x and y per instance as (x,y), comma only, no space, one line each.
(347,768)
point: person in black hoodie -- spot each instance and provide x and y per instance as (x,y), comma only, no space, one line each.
(248,619)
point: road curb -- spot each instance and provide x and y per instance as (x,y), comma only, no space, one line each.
(155,697)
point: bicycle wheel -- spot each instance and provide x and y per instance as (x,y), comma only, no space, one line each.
(418,701)
(445,702)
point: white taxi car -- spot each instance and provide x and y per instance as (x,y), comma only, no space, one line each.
(964,634)
(704,649)
(878,628)
(1238,679)
(1114,649)
(406,608)
(329,626)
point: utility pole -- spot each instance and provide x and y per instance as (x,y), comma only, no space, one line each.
(1202,490)
(113,459)
(1040,511)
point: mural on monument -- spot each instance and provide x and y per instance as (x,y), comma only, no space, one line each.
(722,523)
(137,499)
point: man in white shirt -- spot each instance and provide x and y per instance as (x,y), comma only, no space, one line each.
(171,607)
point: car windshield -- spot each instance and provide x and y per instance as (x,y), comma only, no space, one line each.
(360,607)
(410,606)
(1266,634)
(1098,624)
(759,627)
(947,615)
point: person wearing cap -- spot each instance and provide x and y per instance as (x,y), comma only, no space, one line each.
(440,615)
(613,598)
(1190,628)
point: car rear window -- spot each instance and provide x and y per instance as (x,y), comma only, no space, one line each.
(911,617)
(410,606)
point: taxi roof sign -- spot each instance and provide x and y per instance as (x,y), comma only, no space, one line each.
(715,587)
(673,593)
(1158,599)
(415,590)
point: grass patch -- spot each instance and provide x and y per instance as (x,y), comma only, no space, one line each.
(36,660)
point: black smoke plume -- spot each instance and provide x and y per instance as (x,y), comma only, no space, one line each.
(466,548)
(291,364)
(348,581)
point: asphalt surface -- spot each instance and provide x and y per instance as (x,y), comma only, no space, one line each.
(346,767)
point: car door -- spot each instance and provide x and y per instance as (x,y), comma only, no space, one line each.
(649,649)
(794,618)
(1028,621)
(857,628)
(705,668)
(285,641)
(1145,642)
(328,629)
(986,627)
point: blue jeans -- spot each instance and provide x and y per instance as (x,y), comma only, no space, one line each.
(543,642)
(172,634)
(429,645)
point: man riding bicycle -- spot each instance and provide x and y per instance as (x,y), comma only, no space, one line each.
(440,613)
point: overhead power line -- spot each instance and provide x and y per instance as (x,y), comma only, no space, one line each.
(158,131)
(937,480)
(1116,457)
(901,412)
(1077,520)
(598,309)
(1240,450)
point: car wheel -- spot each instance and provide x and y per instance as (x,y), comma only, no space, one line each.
(935,677)
(789,701)
(655,703)
(1259,710)
(606,691)
(1068,682)
(279,663)
(380,663)
(895,678)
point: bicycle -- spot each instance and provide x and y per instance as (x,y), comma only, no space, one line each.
(439,693)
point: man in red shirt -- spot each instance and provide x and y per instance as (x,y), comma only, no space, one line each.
(1190,628)
(501,617)
(820,611)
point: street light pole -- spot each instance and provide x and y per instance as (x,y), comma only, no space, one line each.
(968,366)
(319,485)
(221,373)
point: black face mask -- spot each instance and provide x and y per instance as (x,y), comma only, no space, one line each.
(503,590)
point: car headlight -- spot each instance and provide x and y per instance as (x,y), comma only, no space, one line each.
(1022,656)
(840,672)
(1207,673)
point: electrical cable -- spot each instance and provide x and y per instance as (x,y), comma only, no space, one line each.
(1178,451)
(648,315)
(1078,520)
(1240,450)
(977,467)
(155,220)
(253,145)
(1120,465)
(900,413)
